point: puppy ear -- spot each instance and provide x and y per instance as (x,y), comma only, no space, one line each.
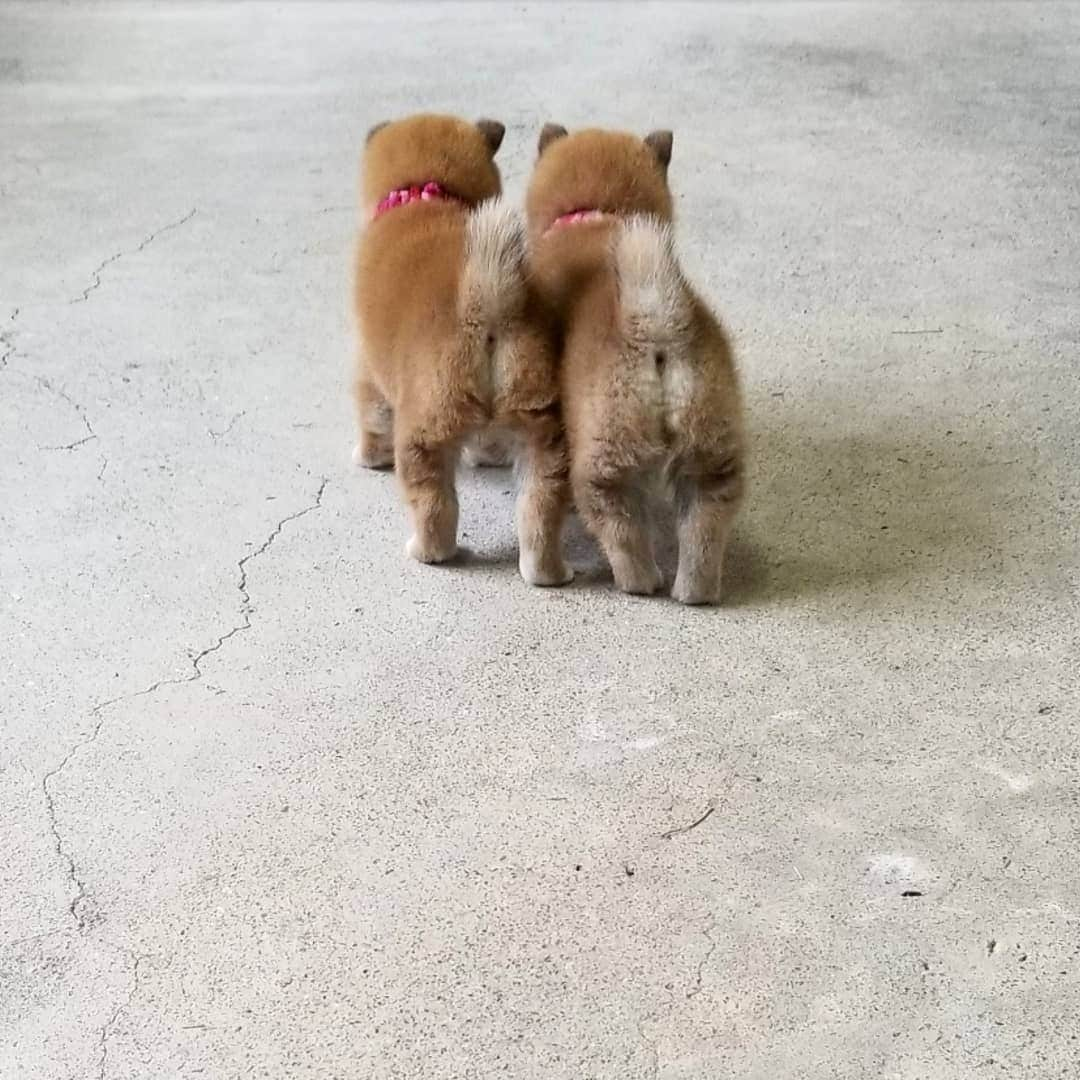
(548,134)
(375,130)
(493,133)
(659,142)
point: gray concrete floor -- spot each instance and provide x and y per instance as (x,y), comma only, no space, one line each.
(275,802)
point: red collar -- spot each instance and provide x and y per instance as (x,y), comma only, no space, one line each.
(577,217)
(432,191)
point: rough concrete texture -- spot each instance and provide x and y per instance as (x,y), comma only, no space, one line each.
(276,802)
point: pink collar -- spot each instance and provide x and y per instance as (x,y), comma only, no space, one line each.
(576,217)
(432,191)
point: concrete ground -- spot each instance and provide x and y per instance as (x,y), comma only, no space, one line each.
(275,802)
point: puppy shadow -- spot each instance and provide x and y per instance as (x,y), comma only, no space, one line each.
(496,489)
(883,511)
(742,566)
(487,494)
(887,510)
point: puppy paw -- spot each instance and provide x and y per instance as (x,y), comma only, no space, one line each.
(429,553)
(695,592)
(372,456)
(544,572)
(639,580)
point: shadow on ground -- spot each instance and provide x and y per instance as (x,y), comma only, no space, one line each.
(831,513)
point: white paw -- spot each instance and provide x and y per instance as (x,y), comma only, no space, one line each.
(550,572)
(639,580)
(416,550)
(375,459)
(691,592)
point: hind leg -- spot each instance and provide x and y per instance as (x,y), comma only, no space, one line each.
(543,502)
(375,448)
(707,497)
(615,511)
(426,474)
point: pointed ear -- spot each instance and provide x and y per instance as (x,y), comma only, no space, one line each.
(548,134)
(659,142)
(375,130)
(493,133)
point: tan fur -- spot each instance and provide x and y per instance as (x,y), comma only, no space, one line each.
(648,381)
(455,344)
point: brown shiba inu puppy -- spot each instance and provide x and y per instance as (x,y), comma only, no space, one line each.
(454,342)
(649,389)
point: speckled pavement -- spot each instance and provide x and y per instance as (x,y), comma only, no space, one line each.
(276,803)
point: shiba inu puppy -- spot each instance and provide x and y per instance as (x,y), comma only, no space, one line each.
(648,383)
(454,343)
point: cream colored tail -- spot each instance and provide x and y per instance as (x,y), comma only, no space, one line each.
(654,299)
(493,282)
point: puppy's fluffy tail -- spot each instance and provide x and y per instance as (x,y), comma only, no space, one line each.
(493,281)
(654,299)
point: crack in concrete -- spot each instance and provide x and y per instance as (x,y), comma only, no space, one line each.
(6,339)
(106,1031)
(96,274)
(76,906)
(226,429)
(650,1045)
(707,932)
(90,435)
(71,445)
(34,938)
(242,565)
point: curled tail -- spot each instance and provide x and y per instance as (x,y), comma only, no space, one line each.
(655,302)
(493,280)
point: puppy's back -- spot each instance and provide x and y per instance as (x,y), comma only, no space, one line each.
(407,280)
